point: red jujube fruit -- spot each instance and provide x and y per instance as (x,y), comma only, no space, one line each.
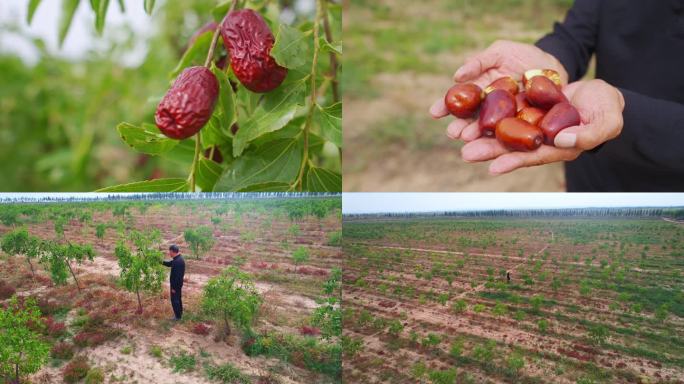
(188,104)
(496,106)
(248,40)
(518,135)
(561,116)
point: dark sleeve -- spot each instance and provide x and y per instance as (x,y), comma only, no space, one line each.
(573,41)
(653,131)
(167,263)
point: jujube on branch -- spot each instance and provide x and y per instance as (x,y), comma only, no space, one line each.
(248,40)
(188,104)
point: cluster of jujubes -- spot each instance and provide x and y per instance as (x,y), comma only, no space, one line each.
(189,103)
(520,120)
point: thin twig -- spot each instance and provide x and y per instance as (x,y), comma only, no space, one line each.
(312,106)
(333,56)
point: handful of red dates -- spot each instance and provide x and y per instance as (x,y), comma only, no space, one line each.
(521,121)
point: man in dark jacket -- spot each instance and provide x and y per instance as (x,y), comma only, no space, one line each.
(177,265)
(632,129)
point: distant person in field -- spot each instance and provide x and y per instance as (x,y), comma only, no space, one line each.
(632,113)
(177,265)
(508,276)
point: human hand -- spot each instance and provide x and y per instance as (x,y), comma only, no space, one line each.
(503,58)
(600,106)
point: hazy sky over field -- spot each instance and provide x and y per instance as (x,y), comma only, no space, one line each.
(56,194)
(428,202)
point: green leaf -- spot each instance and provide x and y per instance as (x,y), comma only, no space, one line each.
(182,154)
(195,54)
(275,162)
(247,100)
(219,12)
(329,119)
(290,49)
(277,109)
(122,7)
(101,14)
(208,172)
(323,180)
(327,47)
(33,5)
(149,6)
(146,139)
(213,134)
(157,185)
(226,99)
(68,10)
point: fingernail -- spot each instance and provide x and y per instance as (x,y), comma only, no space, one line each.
(437,109)
(565,140)
(454,130)
(459,73)
(433,109)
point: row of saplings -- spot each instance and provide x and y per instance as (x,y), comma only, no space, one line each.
(228,298)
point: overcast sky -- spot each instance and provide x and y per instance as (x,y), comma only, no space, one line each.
(429,202)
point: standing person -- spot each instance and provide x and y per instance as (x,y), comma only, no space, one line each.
(177,265)
(632,113)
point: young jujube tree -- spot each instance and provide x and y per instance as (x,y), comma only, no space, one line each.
(141,269)
(231,297)
(200,240)
(18,242)
(59,257)
(22,350)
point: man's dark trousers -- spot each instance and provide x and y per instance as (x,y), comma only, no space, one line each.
(177,302)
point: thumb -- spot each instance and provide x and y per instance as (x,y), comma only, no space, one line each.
(584,137)
(475,66)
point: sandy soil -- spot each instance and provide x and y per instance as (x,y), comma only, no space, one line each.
(286,304)
(371,290)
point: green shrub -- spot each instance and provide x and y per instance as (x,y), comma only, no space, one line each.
(543,325)
(418,370)
(94,376)
(226,373)
(515,363)
(499,309)
(456,349)
(443,377)
(395,327)
(155,351)
(183,362)
(598,334)
(335,238)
